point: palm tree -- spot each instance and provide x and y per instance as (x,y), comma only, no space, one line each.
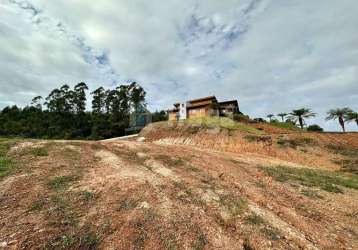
(353,116)
(300,115)
(282,115)
(270,116)
(340,114)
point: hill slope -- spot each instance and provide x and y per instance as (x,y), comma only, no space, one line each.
(183,187)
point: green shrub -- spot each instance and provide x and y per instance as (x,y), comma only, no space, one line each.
(61,182)
(254,219)
(88,196)
(284,125)
(241,118)
(314,128)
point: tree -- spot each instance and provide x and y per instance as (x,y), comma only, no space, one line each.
(109,97)
(98,101)
(352,116)
(314,128)
(340,114)
(65,116)
(158,116)
(282,115)
(36,102)
(66,99)
(52,101)
(136,94)
(79,97)
(270,117)
(300,115)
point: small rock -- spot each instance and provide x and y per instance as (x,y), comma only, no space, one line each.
(144,204)
(3,244)
(141,155)
(12,242)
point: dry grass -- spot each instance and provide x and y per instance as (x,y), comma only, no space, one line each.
(223,122)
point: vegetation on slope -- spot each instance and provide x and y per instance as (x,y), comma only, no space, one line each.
(325,180)
(285,125)
(223,122)
(7,165)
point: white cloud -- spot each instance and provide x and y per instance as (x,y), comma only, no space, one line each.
(272,55)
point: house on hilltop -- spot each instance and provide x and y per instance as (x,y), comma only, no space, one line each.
(203,107)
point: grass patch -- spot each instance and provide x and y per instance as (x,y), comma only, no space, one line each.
(60,213)
(166,159)
(254,219)
(61,182)
(256,138)
(7,165)
(88,196)
(70,153)
(296,142)
(176,162)
(141,227)
(200,241)
(235,205)
(4,148)
(325,180)
(39,152)
(311,194)
(337,149)
(271,233)
(285,125)
(87,239)
(223,122)
(38,205)
(349,165)
(128,204)
(186,195)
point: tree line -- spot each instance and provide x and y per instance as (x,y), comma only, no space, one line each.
(299,117)
(63,115)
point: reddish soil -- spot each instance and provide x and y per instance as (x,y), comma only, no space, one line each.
(175,191)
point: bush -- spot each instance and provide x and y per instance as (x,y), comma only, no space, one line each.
(284,125)
(315,128)
(241,118)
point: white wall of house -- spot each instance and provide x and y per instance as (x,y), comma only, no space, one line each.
(183,111)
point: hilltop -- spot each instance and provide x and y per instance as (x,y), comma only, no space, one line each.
(208,184)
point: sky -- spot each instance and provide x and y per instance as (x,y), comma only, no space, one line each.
(271,55)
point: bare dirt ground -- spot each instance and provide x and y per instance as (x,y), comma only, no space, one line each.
(161,194)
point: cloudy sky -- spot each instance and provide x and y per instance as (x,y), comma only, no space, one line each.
(271,55)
